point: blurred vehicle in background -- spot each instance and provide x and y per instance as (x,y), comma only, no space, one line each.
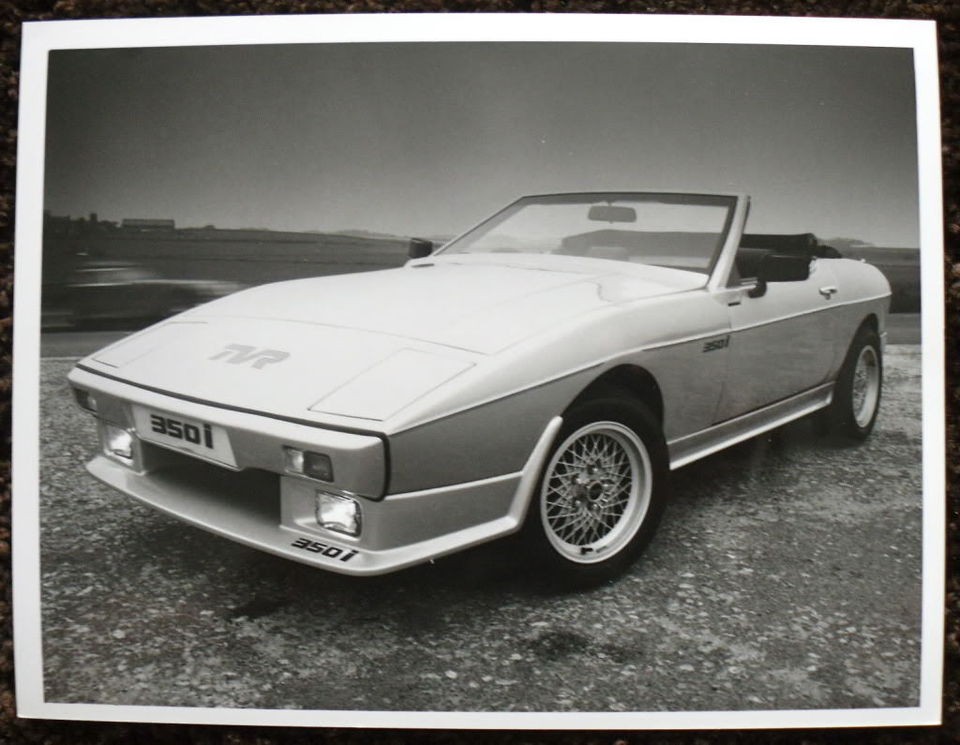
(122,295)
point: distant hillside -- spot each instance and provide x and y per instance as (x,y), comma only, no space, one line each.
(881,255)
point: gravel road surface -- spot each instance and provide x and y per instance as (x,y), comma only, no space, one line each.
(786,574)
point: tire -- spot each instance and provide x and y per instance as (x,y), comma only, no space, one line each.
(601,492)
(856,395)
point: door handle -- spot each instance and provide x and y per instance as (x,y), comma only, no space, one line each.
(828,291)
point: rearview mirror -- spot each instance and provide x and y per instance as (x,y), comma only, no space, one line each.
(611,213)
(419,248)
(780,268)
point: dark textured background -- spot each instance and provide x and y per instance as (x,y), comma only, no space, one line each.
(14,12)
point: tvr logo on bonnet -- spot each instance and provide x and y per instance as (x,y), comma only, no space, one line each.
(238,354)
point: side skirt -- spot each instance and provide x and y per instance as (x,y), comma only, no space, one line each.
(684,450)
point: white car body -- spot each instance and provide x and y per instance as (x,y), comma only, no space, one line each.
(438,389)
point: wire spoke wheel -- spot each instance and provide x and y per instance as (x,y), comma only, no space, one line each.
(596,492)
(866,386)
(857,391)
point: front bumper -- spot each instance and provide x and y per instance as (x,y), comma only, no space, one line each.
(261,506)
(274,513)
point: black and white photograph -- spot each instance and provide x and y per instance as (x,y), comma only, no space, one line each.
(530,379)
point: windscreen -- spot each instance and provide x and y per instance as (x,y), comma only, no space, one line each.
(671,230)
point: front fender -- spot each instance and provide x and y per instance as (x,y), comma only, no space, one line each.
(491,439)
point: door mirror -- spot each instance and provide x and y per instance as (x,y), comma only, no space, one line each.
(780,268)
(419,248)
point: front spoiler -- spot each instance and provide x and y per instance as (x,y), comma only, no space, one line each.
(400,531)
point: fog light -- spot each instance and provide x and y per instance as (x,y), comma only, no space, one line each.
(85,400)
(118,443)
(335,512)
(315,465)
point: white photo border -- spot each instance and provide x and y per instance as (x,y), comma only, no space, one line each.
(41,38)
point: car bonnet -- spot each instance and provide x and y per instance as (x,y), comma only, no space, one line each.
(322,347)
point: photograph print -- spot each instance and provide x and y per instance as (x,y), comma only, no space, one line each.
(542,377)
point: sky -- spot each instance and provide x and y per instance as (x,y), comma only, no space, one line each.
(428,139)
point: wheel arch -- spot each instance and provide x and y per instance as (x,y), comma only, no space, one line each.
(870,320)
(637,380)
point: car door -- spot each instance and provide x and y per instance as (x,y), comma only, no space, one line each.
(780,343)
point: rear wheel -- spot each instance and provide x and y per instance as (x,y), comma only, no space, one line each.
(856,396)
(601,492)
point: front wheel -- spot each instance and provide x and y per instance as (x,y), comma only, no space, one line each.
(601,492)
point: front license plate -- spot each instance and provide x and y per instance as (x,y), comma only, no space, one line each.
(205,440)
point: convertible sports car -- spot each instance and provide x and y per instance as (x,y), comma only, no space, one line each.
(542,372)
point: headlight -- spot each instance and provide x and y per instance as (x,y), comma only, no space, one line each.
(314,465)
(338,513)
